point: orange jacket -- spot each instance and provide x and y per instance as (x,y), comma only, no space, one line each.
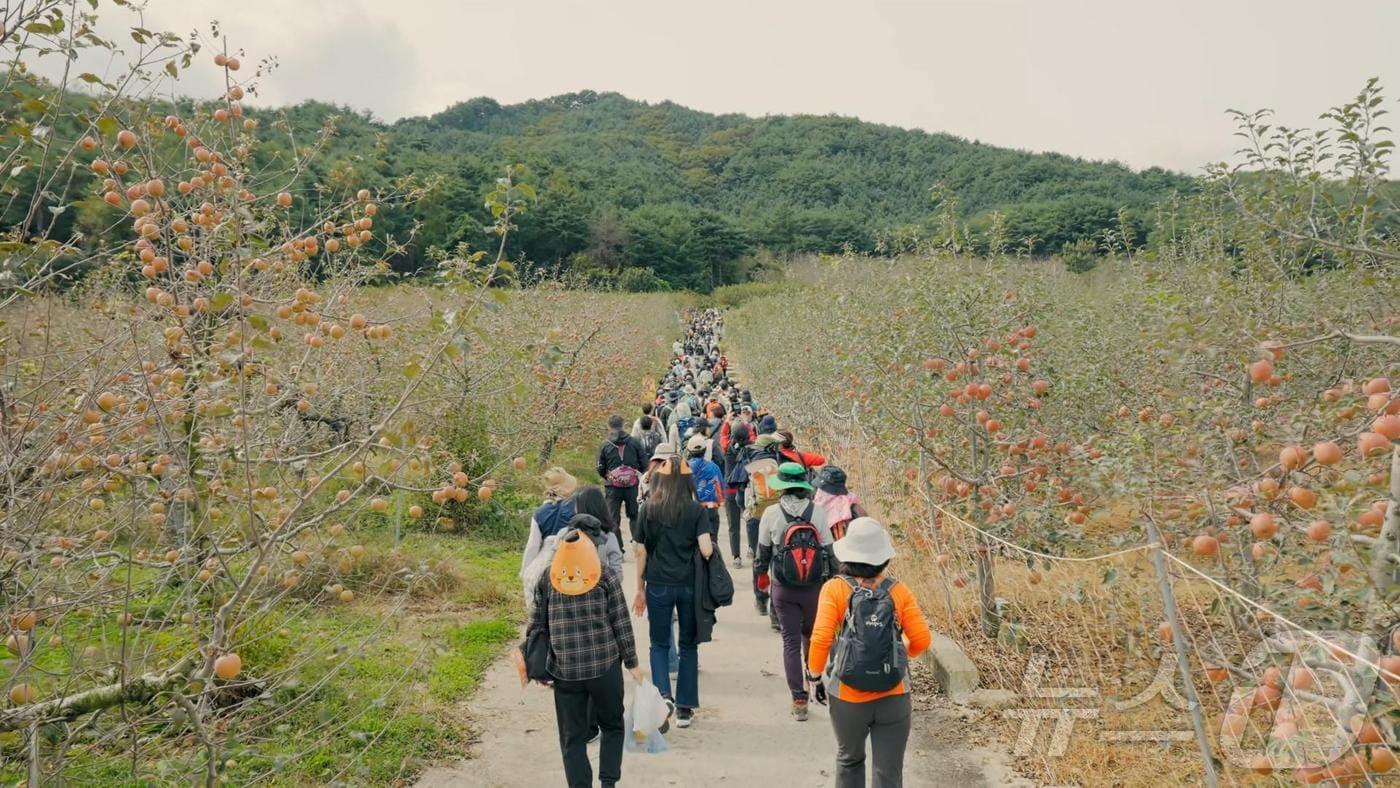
(831,611)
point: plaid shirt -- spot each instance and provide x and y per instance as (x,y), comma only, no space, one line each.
(588,633)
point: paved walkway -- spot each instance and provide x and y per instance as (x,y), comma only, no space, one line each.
(743,735)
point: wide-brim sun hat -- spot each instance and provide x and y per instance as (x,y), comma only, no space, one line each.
(865,542)
(560,482)
(791,476)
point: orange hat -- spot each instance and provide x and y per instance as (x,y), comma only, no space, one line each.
(576,567)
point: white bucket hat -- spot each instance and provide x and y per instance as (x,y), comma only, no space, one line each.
(865,542)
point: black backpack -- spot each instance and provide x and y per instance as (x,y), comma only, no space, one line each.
(800,559)
(869,655)
(649,441)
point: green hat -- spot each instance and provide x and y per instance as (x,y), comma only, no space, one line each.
(791,475)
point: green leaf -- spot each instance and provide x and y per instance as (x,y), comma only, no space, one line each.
(220,301)
(412,369)
(258,322)
(172,69)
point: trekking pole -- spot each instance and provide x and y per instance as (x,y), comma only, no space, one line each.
(1179,644)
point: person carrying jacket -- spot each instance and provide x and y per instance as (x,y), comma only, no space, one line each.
(669,532)
(553,515)
(884,718)
(795,605)
(581,607)
(617,452)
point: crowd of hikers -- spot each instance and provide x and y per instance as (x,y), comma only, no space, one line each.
(701,455)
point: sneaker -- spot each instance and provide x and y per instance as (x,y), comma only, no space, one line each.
(684,718)
(799,710)
(666,723)
(761,607)
(738,562)
(597,734)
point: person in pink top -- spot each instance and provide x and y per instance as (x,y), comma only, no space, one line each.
(840,504)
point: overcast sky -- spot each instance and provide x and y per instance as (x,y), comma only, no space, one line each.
(1145,82)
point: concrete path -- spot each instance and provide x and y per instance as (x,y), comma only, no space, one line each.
(742,736)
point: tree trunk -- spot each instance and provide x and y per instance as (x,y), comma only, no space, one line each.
(136,689)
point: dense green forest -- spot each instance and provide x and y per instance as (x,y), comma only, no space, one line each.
(657,195)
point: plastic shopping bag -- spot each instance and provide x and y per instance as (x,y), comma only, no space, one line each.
(644,719)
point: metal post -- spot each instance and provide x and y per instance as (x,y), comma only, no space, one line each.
(1182,663)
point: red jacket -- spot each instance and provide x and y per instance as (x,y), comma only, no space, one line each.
(806,459)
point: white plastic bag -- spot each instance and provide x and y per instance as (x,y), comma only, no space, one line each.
(644,719)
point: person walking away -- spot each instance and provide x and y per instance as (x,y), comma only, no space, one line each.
(807,459)
(592,516)
(840,504)
(670,530)
(552,515)
(663,412)
(708,480)
(794,542)
(582,609)
(620,466)
(760,462)
(648,437)
(868,628)
(735,481)
(681,422)
(648,409)
(663,453)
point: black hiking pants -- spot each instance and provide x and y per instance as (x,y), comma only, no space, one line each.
(618,498)
(734,509)
(572,701)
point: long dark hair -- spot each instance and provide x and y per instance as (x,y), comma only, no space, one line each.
(672,494)
(590,500)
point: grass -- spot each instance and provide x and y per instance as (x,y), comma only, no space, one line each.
(472,649)
(372,713)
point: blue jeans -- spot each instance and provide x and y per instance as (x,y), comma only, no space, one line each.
(662,601)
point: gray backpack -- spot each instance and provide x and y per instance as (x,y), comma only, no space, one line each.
(870,654)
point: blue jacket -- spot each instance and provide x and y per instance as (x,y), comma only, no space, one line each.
(708,479)
(553,516)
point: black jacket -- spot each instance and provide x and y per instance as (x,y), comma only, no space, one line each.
(714,589)
(608,457)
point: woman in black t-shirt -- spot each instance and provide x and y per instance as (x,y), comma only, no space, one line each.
(671,527)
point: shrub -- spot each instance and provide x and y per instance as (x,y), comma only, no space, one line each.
(1080,256)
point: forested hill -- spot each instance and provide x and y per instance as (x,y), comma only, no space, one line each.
(658,195)
(666,174)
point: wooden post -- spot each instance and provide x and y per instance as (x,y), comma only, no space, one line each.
(1179,644)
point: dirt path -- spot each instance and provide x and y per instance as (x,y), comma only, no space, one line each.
(742,736)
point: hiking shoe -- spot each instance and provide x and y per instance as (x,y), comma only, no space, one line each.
(684,718)
(799,710)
